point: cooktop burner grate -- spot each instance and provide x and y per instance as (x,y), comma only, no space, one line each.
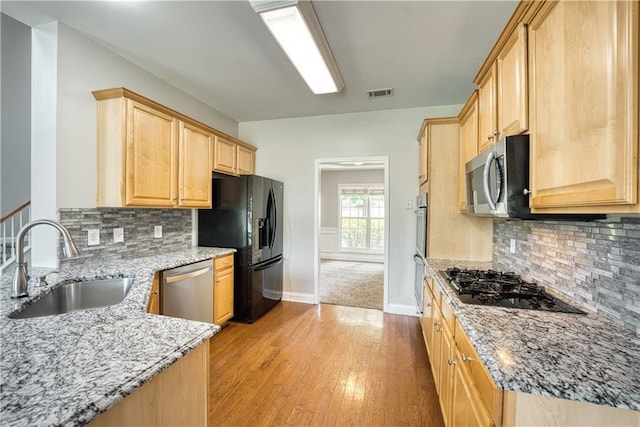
(503,289)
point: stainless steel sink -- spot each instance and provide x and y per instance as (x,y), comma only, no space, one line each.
(77,296)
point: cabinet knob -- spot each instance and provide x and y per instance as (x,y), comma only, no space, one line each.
(465,358)
(451,362)
(526,192)
(489,137)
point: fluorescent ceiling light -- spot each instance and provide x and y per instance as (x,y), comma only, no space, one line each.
(296,28)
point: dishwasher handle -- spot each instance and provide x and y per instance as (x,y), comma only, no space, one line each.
(189,275)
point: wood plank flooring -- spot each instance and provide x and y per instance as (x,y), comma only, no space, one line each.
(308,365)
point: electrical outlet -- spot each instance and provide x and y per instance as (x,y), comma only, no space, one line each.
(408,204)
(157,232)
(93,237)
(512,246)
(118,235)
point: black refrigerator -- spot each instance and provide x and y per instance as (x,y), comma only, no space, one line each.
(247,215)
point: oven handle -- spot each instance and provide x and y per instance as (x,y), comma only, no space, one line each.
(485,179)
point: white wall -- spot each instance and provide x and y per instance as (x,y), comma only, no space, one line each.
(85,66)
(329,191)
(15,135)
(67,67)
(287,150)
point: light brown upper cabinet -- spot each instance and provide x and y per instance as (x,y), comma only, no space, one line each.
(468,143)
(423,158)
(246,160)
(512,100)
(196,146)
(583,66)
(233,158)
(149,155)
(487,111)
(502,92)
(225,156)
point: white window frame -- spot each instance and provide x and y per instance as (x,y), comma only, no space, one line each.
(356,250)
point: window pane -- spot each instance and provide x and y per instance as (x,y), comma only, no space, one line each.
(376,206)
(376,238)
(353,206)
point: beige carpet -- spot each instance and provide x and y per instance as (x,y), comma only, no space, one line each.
(356,284)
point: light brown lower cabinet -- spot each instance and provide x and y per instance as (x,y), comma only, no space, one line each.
(464,401)
(176,396)
(467,409)
(223,289)
(154,296)
(470,398)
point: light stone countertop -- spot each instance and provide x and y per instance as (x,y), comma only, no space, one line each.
(67,369)
(578,357)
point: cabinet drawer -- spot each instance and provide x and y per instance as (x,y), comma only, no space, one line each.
(490,393)
(223,262)
(448,318)
(437,293)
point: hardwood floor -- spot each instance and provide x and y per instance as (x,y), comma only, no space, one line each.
(308,365)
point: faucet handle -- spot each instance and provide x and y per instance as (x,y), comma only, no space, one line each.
(26,270)
(42,280)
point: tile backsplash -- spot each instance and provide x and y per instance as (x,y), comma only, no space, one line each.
(138,227)
(596,263)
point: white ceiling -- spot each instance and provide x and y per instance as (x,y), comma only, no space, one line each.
(221,53)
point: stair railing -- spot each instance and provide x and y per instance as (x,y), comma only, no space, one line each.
(10,224)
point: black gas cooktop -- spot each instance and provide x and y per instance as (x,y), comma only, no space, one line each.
(503,289)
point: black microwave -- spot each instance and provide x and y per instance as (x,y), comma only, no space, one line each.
(497,183)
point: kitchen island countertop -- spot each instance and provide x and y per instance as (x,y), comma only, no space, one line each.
(584,358)
(67,369)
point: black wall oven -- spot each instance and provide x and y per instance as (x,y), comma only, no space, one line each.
(420,254)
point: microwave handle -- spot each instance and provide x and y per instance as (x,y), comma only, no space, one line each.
(485,179)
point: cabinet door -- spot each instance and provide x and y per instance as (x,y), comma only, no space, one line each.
(154,297)
(223,296)
(246,161)
(196,147)
(436,354)
(151,157)
(447,358)
(427,319)
(466,408)
(487,113)
(468,144)
(583,65)
(512,101)
(423,159)
(225,157)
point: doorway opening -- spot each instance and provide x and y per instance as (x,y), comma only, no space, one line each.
(351,231)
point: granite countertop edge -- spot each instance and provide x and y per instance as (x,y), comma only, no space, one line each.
(559,370)
(163,340)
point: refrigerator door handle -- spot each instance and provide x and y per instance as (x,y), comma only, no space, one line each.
(271,218)
(269,264)
(275,219)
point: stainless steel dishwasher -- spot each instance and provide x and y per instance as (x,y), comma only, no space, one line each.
(187,292)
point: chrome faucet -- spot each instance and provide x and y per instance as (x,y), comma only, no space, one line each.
(20,278)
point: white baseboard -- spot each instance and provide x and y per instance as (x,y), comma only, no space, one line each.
(298,297)
(339,256)
(406,310)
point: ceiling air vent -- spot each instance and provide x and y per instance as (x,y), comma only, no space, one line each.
(377,93)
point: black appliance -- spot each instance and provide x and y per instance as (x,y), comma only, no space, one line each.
(247,215)
(497,183)
(503,289)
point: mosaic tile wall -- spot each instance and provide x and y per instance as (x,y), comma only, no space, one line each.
(138,227)
(596,263)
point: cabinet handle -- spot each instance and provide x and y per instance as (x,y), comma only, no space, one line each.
(451,362)
(154,293)
(465,358)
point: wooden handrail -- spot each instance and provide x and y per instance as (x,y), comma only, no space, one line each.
(15,211)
